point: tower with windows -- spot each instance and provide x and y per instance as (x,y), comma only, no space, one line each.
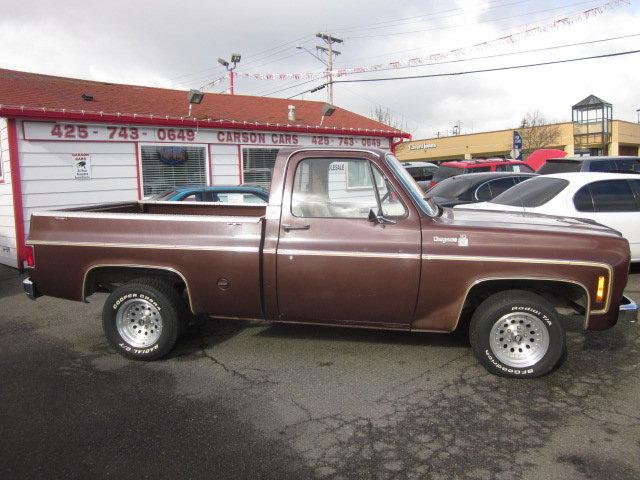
(592,126)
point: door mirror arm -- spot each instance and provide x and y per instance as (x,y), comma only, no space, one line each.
(378,217)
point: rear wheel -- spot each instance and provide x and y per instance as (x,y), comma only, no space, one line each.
(517,334)
(141,319)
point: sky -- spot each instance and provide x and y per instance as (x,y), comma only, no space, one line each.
(177,44)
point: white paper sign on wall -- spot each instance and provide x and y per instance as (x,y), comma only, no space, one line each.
(81,163)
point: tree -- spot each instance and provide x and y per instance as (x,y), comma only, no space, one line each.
(537,133)
(384,115)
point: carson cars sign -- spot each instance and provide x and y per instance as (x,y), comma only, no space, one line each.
(126,133)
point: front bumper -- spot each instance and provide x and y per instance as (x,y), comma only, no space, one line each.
(30,288)
(628,310)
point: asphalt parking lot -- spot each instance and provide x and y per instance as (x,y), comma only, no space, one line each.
(243,400)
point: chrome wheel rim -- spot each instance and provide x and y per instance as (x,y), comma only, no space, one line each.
(139,322)
(519,339)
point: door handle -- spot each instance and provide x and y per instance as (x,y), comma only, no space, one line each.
(287,228)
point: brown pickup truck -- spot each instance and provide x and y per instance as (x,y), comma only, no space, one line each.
(347,239)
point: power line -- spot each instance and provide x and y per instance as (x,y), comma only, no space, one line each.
(252,58)
(484,70)
(519,26)
(375,25)
(507,54)
(460,60)
(449,27)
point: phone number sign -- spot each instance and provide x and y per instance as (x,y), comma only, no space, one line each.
(125,133)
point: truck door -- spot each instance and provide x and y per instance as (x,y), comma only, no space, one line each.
(335,265)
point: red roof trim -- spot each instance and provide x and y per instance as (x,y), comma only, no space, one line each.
(139,119)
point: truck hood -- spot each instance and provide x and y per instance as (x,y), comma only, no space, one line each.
(463,217)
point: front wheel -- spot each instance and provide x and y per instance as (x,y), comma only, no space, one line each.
(517,334)
(141,319)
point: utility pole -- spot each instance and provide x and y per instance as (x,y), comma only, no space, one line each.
(329,40)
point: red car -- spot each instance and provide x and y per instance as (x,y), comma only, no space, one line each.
(460,167)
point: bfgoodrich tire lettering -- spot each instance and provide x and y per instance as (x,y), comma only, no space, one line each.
(141,319)
(517,334)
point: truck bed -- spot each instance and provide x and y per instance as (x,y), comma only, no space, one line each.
(207,245)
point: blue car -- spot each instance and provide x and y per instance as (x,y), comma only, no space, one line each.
(218,194)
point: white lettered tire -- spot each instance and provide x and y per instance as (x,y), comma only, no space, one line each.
(141,319)
(517,334)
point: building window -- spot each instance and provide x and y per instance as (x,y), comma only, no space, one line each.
(257,166)
(165,167)
(358,175)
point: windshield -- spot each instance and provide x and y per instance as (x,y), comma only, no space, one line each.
(452,187)
(426,205)
(446,172)
(533,193)
(560,166)
(164,195)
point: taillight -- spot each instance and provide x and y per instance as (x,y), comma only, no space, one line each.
(29,256)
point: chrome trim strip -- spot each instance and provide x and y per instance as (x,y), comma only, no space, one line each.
(546,261)
(337,253)
(62,215)
(151,246)
(151,267)
(209,204)
(537,279)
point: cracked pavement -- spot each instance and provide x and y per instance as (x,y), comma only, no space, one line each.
(248,400)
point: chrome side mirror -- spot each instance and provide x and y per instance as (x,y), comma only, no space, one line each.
(376,216)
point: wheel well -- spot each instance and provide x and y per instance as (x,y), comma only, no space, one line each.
(107,278)
(567,297)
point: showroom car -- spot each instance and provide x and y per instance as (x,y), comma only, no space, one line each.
(474,187)
(611,199)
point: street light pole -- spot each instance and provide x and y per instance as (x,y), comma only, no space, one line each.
(235,58)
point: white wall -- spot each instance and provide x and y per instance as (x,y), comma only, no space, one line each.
(48,177)
(8,254)
(225,166)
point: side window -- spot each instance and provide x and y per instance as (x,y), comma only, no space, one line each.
(238,197)
(333,188)
(504,168)
(500,185)
(477,169)
(191,198)
(602,166)
(635,184)
(390,202)
(582,200)
(484,192)
(613,196)
(624,164)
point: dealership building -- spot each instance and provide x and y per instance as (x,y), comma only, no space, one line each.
(592,131)
(67,142)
